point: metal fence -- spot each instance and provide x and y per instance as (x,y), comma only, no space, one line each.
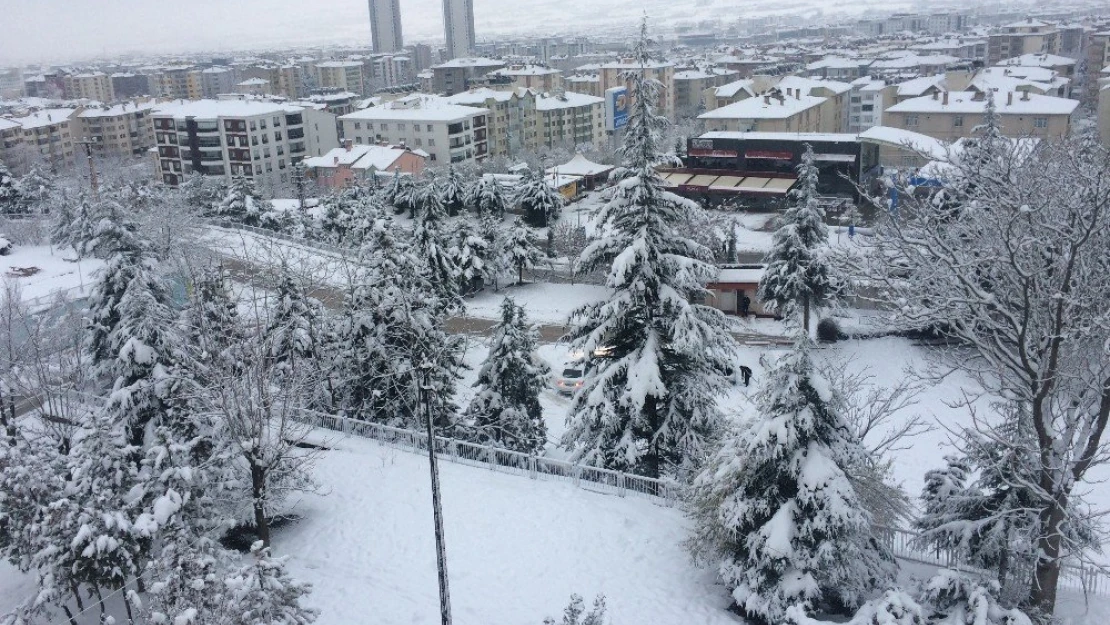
(907,545)
(595,479)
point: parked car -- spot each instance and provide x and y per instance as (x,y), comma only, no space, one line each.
(571,378)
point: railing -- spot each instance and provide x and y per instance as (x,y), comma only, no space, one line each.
(506,461)
(906,545)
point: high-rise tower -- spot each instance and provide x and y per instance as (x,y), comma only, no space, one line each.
(385,25)
(458,25)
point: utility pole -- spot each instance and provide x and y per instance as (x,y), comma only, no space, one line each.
(437,509)
(92,168)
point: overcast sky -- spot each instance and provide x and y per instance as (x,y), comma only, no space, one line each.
(56,30)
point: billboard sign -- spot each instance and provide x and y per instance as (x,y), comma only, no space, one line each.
(617,106)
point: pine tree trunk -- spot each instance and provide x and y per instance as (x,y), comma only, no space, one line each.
(805,312)
(258,492)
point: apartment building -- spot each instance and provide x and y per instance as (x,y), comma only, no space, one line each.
(612,75)
(512,119)
(291,81)
(1023,37)
(253,86)
(458,27)
(256,139)
(11,83)
(953,115)
(92,86)
(449,133)
(120,130)
(538,77)
(49,136)
(11,145)
(460,74)
(771,112)
(341,76)
(178,82)
(217,80)
(1062,65)
(389,70)
(690,87)
(1103,115)
(1098,57)
(868,99)
(589,84)
(729,93)
(385,25)
(129,85)
(570,119)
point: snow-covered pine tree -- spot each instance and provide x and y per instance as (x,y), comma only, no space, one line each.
(499,263)
(104,551)
(649,405)
(11,198)
(400,193)
(520,250)
(263,593)
(432,246)
(775,509)
(298,332)
(210,322)
(956,598)
(36,187)
(799,276)
(541,202)
(471,254)
(75,222)
(506,411)
(452,191)
(393,323)
(241,203)
(487,197)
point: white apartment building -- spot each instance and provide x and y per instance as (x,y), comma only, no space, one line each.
(449,133)
(385,25)
(458,26)
(217,80)
(389,70)
(570,119)
(868,99)
(341,75)
(256,139)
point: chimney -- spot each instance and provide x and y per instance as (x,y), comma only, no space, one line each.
(767,98)
(935,94)
(797,94)
(348,145)
(335,161)
(1025,95)
(946,98)
(1009,98)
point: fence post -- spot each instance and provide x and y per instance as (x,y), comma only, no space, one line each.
(532,467)
(622,484)
(577,476)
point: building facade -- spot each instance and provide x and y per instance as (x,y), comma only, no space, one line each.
(385,25)
(458,27)
(341,76)
(954,115)
(449,133)
(95,86)
(121,130)
(570,119)
(226,138)
(612,75)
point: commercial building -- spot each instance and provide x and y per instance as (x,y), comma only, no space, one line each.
(449,133)
(357,164)
(954,115)
(95,86)
(458,27)
(255,139)
(120,130)
(385,25)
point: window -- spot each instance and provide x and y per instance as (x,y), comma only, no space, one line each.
(433,157)
(429,127)
(911,121)
(358,125)
(400,126)
(277,122)
(266,152)
(358,139)
(385,126)
(277,136)
(418,142)
(262,124)
(1040,122)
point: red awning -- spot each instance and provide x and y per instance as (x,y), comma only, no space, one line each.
(769,154)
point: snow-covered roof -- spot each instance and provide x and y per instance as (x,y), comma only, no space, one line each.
(8,124)
(478,96)
(830,137)
(636,65)
(918,86)
(526,70)
(1039,60)
(913,60)
(1027,23)
(418,108)
(339,64)
(118,109)
(765,108)
(378,157)
(580,166)
(253,81)
(745,274)
(925,144)
(692,74)
(47,117)
(836,62)
(808,84)
(213,109)
(568,99)
(731,89)
(583,79)
(469,61)
(1023,103)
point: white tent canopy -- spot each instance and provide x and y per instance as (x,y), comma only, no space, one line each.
(580,166)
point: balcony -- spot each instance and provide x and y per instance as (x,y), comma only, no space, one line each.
(296,133)
(294,120)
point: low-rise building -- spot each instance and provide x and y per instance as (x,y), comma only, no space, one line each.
(357,164)
(251,138)
(789,104)
(954,115)
(449,133)
(120,130)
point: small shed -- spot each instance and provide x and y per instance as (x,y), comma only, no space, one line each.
(733,292)
(592,174)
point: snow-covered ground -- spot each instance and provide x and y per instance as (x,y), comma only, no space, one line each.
(545,303)
(57,270)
